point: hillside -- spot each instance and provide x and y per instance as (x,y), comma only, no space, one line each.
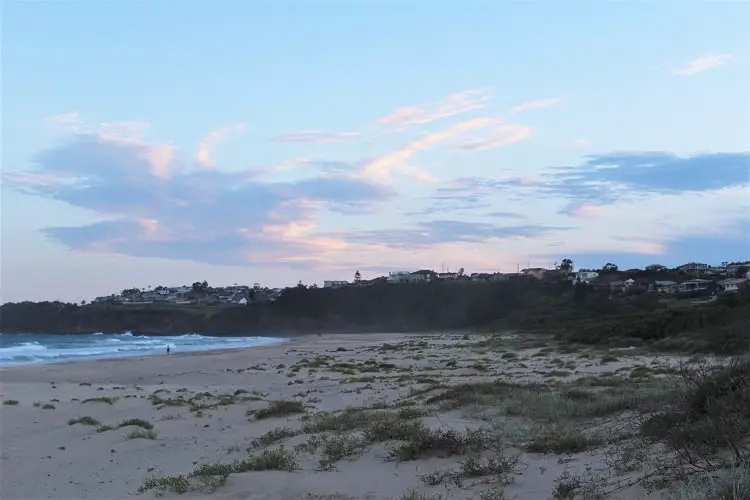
(579,314)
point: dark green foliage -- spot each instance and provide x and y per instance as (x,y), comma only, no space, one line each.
(582,313)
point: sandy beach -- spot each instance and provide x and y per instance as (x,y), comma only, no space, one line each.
(337,416)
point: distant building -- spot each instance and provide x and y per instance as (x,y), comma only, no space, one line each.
(586,276)
(334,284)
(398,277)
(695,269)
(694,285)
(447,276)
(535,272)
(732,284)
(423,276)
(665,286)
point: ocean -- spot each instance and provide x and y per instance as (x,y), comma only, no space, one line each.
(27,348)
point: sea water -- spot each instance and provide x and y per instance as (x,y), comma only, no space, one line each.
(27,348)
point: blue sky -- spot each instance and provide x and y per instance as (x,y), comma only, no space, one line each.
(151,143)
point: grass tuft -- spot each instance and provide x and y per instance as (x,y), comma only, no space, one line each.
(278,409)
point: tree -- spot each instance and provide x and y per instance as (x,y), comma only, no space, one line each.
(461,272)
(566,265)
(357,277)
(610,268)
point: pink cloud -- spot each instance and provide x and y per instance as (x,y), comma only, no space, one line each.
(315,136)
(203,157)
(587,211)
(703,63)
(381,168)
(538,104)
(131,129)
(452,105)
(498,137)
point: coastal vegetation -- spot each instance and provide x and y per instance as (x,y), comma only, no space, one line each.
(581,313)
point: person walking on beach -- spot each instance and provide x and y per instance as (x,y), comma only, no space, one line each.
(168,349)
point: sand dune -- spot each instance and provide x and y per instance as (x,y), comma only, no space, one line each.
(344,416)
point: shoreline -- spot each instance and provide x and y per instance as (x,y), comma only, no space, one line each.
(139,356)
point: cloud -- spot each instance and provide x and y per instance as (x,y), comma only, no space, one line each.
(452,105)
(129,129)
(668,228)
(507,215)
(538,104)
(70,121)
(703,63)
(439,232)
(583,210)
(195,214)
(497,137)
(315,136)
(608,178)
(203,157)
(466,135)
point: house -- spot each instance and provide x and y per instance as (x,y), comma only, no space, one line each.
(693,285)
(735,269)
(447,276)
(535,272)
(585,276)
(398,277)
(665,287)
(608,284)
(334,284)
(423,276)
(480,277)
(695,269)
(732,284)
(499,277)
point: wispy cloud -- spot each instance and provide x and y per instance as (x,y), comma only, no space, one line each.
(315,136)
(129,129)
(452,105)
(583,209)
(703,63)
(478,134)
(497,137)
(70,121)
(538,104)
(203,157)
(438,232)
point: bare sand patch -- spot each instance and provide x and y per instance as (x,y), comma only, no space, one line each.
(343,417)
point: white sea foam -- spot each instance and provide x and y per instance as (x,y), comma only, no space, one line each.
(34,348)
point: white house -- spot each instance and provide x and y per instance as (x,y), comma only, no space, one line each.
(732,284)
(447,276)
(693,285)
(586,276)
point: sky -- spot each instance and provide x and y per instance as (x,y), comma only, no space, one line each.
(162,143)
